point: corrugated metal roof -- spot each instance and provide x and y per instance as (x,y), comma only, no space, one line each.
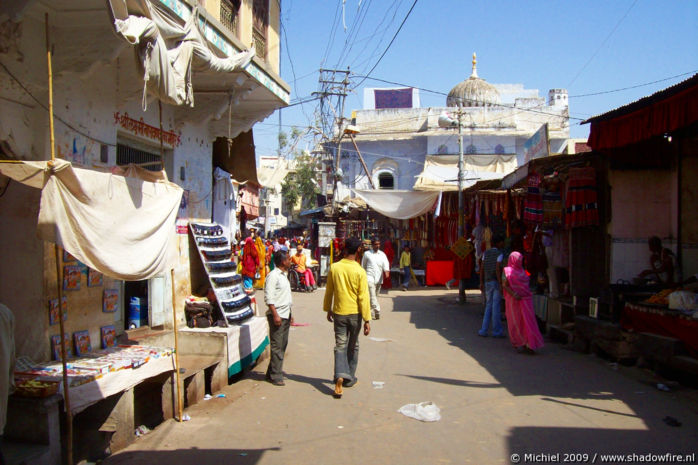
(645,101)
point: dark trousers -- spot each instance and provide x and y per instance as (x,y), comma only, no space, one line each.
(278,340)
(346,349)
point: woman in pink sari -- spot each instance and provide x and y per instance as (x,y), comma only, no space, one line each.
(521,319)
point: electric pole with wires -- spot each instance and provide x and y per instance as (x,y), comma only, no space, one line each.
(333,84)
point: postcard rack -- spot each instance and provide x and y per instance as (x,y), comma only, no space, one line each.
(226,283)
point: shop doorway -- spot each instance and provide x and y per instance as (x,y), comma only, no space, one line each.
(135,304)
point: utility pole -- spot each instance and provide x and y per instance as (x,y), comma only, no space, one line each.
(333,91)
(461,197)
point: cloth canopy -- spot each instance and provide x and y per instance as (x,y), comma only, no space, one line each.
(441,171)
(120,223)
(272,177)
(401,205)
(169,51)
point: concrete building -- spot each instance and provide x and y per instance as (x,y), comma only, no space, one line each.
(105,117)
(396,135)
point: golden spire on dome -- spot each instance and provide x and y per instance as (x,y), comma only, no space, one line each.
(474,74)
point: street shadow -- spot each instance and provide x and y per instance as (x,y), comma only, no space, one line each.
(322,385)
(584,443)
(189,456)
(453,382)
(561,378)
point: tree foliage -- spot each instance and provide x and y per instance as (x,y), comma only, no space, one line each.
(301,184)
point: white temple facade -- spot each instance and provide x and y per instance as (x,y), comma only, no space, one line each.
(396,136)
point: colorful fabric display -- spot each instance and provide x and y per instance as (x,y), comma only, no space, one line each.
(581,205)
(552,209)
(533,206)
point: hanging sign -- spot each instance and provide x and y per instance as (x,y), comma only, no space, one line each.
(538,145)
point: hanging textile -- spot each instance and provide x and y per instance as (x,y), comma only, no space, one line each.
(552,209)
(533,206)
(399,204)
(169,51)
(121,224)
(581,206)
(224,203)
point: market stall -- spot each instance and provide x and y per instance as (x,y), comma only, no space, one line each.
(244,342)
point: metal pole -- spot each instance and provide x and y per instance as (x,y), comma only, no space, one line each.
(461,198)
(59,284)
(363,163)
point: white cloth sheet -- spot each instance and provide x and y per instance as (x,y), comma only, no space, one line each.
(224,203)
(121,226)
(398,204)
(170,51)
(441,171)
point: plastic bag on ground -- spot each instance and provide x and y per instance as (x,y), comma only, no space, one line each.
(424,411)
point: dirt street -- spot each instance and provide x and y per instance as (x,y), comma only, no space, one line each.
(494,402)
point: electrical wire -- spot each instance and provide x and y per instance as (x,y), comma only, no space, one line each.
(389,44)
(41,104)
(602,44)
(633,87)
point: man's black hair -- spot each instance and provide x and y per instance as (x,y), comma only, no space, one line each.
(279,257)
(497,239)
(351,245)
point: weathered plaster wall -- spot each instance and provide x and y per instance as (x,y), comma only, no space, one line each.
(643,205)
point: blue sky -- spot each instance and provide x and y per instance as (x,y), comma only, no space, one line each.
(585,46)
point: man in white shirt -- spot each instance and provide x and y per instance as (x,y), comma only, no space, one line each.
(277,296)
(376,264)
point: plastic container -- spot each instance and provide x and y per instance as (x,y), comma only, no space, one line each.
(137,312)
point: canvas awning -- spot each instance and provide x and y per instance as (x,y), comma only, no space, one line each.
(399,204)
(441,171)
(120,223)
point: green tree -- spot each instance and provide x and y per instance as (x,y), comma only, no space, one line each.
(302,184)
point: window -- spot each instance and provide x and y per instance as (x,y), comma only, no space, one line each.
(230,12)
(499,149)
(276,212)
(148,160)
(260,21)
(386,181)
(471,149)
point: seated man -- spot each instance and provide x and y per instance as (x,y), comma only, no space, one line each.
(300,261)
(661,263)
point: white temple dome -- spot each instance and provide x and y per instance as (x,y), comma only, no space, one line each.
(473,92)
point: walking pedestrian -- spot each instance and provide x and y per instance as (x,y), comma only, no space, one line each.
(490,284)
(375,262)
(405,266)
(250,264)
(277,297)
(347,305)
(521,318)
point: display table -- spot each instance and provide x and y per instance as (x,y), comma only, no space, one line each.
(244,342)
(439,272)
(664,322)
(115,382)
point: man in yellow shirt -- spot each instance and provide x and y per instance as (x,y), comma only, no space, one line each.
(347,304)
(405,266)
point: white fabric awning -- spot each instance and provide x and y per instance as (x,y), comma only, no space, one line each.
(441,171)
(272,177)
(121,224)
(401,205)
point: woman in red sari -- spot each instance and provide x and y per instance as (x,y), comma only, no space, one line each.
(250,264)
(521,319)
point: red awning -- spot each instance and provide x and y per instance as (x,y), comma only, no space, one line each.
(664,112)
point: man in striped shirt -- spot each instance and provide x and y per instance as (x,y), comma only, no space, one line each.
(491,285)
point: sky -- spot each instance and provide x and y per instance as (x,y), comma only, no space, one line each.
(586,47)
